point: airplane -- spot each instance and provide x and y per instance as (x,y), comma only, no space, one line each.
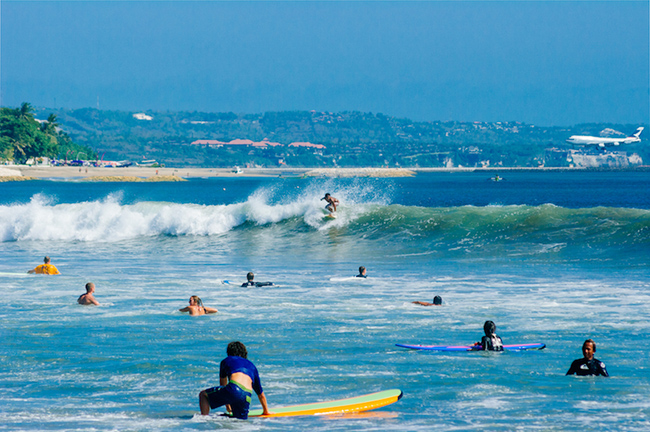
(605,142)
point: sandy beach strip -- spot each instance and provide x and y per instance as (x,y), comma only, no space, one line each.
(109,174)
(23,172)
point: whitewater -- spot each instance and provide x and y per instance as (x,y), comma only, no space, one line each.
(552,257)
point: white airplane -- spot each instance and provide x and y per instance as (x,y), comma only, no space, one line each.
(605,142)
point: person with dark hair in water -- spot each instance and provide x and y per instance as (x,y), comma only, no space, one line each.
(196,307)
(437,301)
(588,365)
(490,342)
(250,283)
(238,378)
(362,272)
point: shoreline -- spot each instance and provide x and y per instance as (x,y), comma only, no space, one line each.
(109,174)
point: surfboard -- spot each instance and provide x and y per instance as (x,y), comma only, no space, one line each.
(341,406)
(329,216)
(23,274)
(518,347)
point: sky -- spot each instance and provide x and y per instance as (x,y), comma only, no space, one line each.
(548,63)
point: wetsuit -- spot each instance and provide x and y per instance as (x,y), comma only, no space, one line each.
(361,276)
(256,284)
(233,393)
(492,343)
(584,367)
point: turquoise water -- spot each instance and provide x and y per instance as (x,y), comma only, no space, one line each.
(550,257)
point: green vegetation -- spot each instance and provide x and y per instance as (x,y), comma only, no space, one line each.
(351,139)
(22,137)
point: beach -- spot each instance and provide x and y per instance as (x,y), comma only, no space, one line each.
(99,173)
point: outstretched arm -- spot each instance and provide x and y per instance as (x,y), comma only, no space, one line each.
(265,408)
(210,310)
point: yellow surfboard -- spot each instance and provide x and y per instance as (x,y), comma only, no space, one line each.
(341,406)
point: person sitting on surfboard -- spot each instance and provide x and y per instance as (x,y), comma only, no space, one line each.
(88,298)
(490,342)
(45,268)
(249,277)
(362,272)
(332,202)
(237,375)
(437,301)
(588,365)
(196,307)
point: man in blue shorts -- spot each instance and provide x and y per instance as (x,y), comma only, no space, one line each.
(238,378)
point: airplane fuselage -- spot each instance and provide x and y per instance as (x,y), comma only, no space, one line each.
(586,140)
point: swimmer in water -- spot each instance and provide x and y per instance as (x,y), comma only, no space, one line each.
(331,202)
(196,307)
(250,283)
(588,365)
(88,298)
(490,342)
(437,301)
(45,268)
(362,272)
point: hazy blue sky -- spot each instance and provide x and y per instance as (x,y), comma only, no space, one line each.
(546,63)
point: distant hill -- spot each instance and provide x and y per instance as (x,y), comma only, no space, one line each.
(349,139)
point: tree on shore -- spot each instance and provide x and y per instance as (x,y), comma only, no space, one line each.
(22,137)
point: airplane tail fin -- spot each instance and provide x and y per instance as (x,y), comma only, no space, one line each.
(637,133)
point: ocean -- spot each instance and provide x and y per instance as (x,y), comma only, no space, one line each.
(552,257)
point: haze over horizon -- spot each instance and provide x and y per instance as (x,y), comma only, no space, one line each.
(546,63)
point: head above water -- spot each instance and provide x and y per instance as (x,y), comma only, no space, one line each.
(237,349)
(437,300)
(362,270)
(90,287)
(46,260)
(588,349)
(250,276)
(197,301)
(489,328)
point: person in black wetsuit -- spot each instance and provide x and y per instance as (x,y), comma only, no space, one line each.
(490,342)
(238,377)
(588,365)
(249,277)
(362,272)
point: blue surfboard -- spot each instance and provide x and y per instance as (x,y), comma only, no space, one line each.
(518,347)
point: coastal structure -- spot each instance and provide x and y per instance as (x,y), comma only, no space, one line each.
(265,143)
